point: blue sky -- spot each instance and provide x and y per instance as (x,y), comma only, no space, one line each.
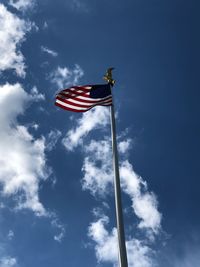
(56,201)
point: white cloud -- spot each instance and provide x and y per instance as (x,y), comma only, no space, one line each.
(12,33)
(106,244)
(144,203)
(139,255)
(124,145)
(10,235)
(2,205)
(22,5)
(52,139)
(23,162)
(8,262)
(95,118)
(98,176)
(106,248)
(97,167)
(64,77)
(45,25)
(35,126)
(49,51)
(60,228)
(98,179)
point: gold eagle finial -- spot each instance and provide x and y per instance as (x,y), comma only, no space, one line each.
(108,76)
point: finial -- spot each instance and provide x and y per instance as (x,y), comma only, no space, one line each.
(108,76)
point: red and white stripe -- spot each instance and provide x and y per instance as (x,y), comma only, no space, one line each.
(78,99)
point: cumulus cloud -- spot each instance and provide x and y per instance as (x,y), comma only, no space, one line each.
(8,262)
(49,51)
(124,146)
(106,243)
(12,34)
(97,167)
(98,176)
(22,5)
(23,162)
(106,248)
(84,125)
(144,203)
(64,77)
(98,179)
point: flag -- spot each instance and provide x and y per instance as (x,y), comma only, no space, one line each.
(83,98)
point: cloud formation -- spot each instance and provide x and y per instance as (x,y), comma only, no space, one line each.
(144,203)
(22,158)
(52,139)
(84,125)
(10,235)
(12,34)
(98,179)
(97,168)
(23,162)
(8,262)
(98,176)
(22,5)
(106,248)
(49,51)
(124,145)
(64,77)
(60,229)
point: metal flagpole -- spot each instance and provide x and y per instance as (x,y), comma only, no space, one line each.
(118,204)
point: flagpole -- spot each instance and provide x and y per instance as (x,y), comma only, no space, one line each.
(117,189)
(118,204)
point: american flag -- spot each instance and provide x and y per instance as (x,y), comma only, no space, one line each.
(83,98)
